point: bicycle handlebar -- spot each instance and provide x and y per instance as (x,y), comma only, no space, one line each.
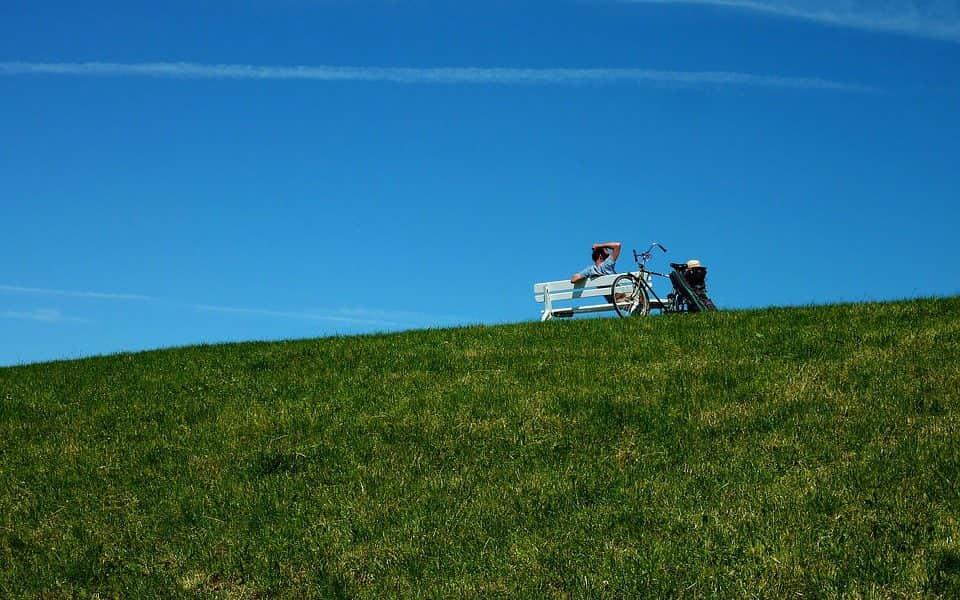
(656,245)
(643,257)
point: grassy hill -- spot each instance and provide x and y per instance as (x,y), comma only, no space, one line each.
(774,453)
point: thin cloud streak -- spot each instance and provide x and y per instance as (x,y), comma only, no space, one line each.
(455,75)
(352,316)
(937,21)
(302,315)
(409,316)
(45,315)
(74,294)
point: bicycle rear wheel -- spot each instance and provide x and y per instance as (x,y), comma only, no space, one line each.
(630,297)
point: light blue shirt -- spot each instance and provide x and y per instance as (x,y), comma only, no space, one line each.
(607,267)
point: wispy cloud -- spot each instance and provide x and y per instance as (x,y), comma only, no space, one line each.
(346,316)
(46,315)
(937,19)
(408,316)
(72,293)
(333,316)
(454,75)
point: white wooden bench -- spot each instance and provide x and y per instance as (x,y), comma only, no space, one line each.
(555,291)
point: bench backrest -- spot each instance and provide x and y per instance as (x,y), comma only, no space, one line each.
(585,288)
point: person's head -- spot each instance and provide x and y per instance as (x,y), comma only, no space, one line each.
(600,254)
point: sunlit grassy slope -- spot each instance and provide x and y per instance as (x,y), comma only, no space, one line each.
(777,453)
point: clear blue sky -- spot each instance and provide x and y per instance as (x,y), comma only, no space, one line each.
(168,177)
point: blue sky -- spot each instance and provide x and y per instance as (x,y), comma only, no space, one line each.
(192,172)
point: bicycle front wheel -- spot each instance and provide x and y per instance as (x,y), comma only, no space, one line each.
(630,297)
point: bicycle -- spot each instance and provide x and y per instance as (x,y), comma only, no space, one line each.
(631,293)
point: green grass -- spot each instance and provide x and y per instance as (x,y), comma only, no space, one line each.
(809,452)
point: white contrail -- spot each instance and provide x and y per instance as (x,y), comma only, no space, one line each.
(302,315)
(46,315)
(932,19)
(76,294)
(385,318)
(354,316)
(40,314)
(452,75)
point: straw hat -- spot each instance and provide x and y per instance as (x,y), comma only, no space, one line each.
(693,264)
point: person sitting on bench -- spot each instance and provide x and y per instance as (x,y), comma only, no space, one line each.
(604,261)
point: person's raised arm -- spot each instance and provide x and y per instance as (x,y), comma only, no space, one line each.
(614,249)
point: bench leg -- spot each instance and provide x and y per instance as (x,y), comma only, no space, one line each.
(547,304)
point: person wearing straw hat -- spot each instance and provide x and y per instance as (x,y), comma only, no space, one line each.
(695,273)
(690,281)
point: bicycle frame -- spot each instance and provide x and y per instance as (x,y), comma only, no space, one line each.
(667,306)
(674,303)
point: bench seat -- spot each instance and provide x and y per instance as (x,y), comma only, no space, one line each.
(550,292)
